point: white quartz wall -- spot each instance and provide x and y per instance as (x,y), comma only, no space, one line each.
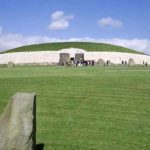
(53,57)
(117,57)
(30,57)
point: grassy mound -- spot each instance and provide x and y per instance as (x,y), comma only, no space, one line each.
(82,45)
(90,108)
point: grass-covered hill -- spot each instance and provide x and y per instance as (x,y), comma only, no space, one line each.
(88,46)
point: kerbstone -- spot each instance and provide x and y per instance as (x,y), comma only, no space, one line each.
(18,123)
(101,62)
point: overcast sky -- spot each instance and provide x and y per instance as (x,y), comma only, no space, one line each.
(119,22)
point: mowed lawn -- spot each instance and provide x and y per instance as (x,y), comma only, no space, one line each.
(91,108)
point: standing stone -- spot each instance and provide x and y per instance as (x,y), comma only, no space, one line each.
(63,58)
(101,62)
(131,62)
(18,123)
(10,64)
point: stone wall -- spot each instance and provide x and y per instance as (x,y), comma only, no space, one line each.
(53,57)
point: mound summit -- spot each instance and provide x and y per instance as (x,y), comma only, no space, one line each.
(88,46)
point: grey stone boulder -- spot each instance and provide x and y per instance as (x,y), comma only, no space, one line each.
(101,62)
(131,62)
(18,123)
(10,64)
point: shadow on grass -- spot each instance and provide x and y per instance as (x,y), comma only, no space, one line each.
(40,146)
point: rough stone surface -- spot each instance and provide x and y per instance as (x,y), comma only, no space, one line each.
(10,64)
(18,123)
(131,62)
(79,56)
(101,62)
(63,58)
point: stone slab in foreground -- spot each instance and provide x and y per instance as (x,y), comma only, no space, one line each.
(18,123)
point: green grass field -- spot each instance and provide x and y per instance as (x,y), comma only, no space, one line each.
(88,46)
(93,108)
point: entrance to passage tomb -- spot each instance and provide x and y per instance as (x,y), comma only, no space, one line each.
(79,56)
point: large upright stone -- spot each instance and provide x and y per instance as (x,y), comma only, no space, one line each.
(63,58)
(101,62)
(18,123)
(10,64)
(131,62)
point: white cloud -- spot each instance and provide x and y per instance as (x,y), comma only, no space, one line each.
(60,21)
(11,40)
(1,30)
(110,22)
(57,15)
(59,25)
(142,45)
